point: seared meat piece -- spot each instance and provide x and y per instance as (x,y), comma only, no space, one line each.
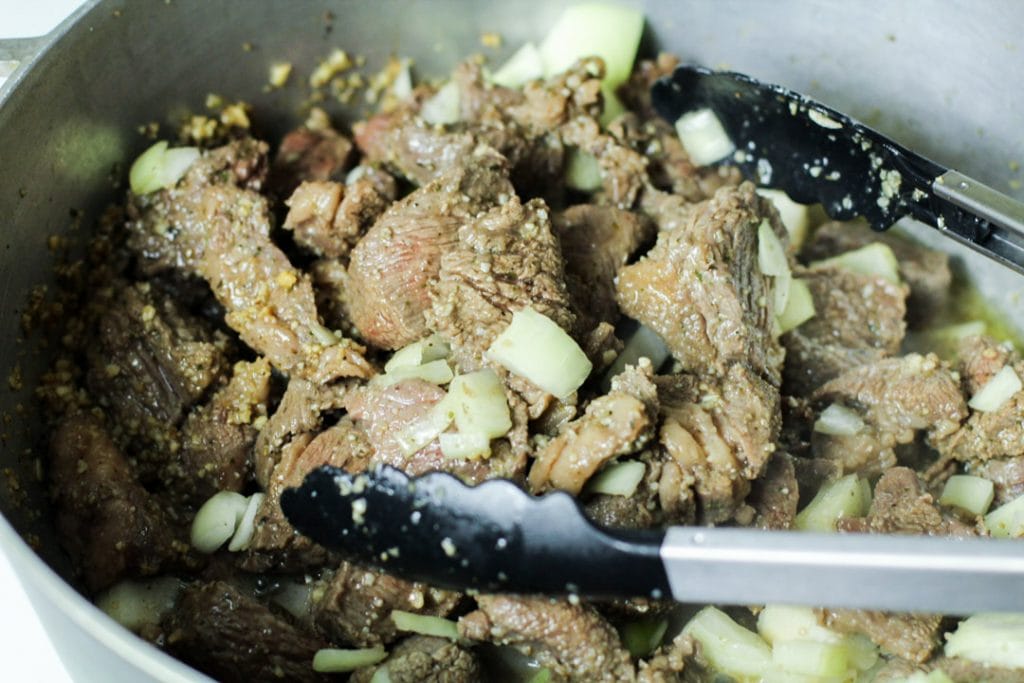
(596,242)
(702,290)
(275,544)
(896,398)
(221,232)
(619,423)
(408,146)
(354,605)
(774,496)
(965,671)
(1007,474)
(298,413)
(329,218)
(720,433)
(393,264)
(150,362)
(106,520)
(233,637)
(910,636)
(901,506)
(994,434)
(425,659)
(925,270)
(573,641)
(858,319)
(217,438)
(310,155)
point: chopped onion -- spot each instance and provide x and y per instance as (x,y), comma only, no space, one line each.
(799,307)
(973,494)
(933,676)
(159,167)
(990,639)
(771,255)
(728,647)
(443,107)
(1007,521)
(460,446)
(997,391)
(875,259)
(478,404)
(246,525)
(425,625)
(849,496)
(608,31)
(838,420)
(780,623)
(536,348)
(331,660)
(424,430)
(643,636)
(542,676)
(811,658)
(643,343)
(135,604)
(436,372)
(703,137)
(794,216)
(618,479)
(381,675)
(217,520)
(524,66)
(425,350)
(401,87)
(582,172)
(294,598)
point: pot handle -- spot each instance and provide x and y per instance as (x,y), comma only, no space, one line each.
(16,51)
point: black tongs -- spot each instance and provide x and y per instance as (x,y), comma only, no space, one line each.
(496,537)
(815,154)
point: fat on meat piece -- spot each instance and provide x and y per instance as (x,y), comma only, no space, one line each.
(353,605)
(148,364)
(275,544)
(308,154)
(573,641)
(897,398)
(217,438)
(720,434)
(858,319)
(328,218)
(597,241)
(425,659)
(925,270)
(234,637)
(994,434)
(208,225)
(109,524)
(393,264)
(702,290)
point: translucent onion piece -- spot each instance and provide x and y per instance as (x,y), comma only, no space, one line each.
(135,604)
(704,138)
(728,647)
(424,430)
(246,525)
(799,307)
(997,391)
(425,625)
(643,343)
(331,660)
(459,446)
(524,66)
(436,372)
(582,172)
(779,623)
(478,404)
(838,420)
(874,259)
(443,107)
(794,216)
(1007,521)
(992,639)
(846,497)
(425,350)
(159,167)
(217,520)
(973,494)
(811,658)
(618,479)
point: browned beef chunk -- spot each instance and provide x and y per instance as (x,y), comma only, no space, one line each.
(925,270)
(993,434)
(774,496)
(619,423)
(275,543)
(408,146)
(910,636)
(573,641)
(298,414)
(424,659)
(901,506)
(393,264)
(233,637)
(221,232)
(1007,474)
(966,671)
(151,361)
(217,438)
(329,218)
(306,154)
(897,398)
(858,319)
(596,242)
(353,605)
(720,434)
(107,521)
(702,290)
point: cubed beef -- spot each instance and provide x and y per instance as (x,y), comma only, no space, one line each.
(425,659)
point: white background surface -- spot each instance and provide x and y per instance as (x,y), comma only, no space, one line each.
(25,650)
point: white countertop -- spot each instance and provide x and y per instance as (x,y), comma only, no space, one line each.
(25,649)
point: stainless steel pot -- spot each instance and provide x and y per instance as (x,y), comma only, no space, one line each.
(941,77)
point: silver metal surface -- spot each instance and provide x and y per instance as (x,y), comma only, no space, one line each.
(1005,243)
(899,573)
(69,116)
